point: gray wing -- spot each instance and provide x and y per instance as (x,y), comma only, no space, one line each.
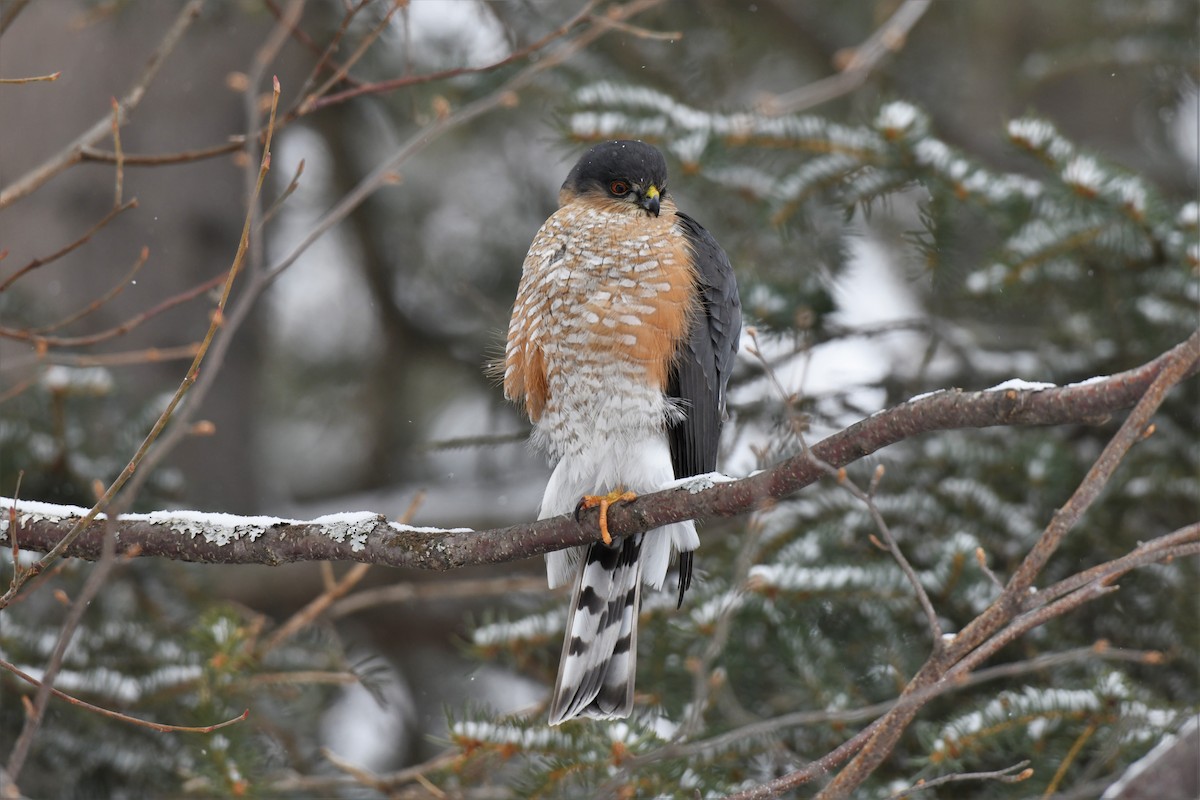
(702,365)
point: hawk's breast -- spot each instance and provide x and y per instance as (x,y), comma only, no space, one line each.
(605,298)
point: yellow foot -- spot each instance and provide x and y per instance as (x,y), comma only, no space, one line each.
(603,501)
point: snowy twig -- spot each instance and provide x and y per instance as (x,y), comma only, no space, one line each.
(228,539)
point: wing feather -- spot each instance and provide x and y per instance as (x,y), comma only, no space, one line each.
(700,371)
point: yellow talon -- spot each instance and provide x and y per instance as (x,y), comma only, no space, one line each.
(604,501)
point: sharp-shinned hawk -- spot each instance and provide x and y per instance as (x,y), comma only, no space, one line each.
(621,342)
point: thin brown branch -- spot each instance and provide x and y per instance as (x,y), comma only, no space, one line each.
(325,55)
(1157,549)
(117,330)
(324,62)
(292,186)
(73,152)
(1015,774)
(125,358)
(100,301)
(53,76)
(889,544)
(41,261)
(356,56)
(105,712)
(379,542)
(120,154)
(184,157)
(857,64)
(11,11)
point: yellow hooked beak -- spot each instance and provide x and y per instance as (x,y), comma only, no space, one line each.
(650,200)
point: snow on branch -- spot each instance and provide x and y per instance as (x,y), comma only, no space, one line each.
(371,538)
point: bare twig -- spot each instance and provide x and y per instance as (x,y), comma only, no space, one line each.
(120,154)
(144,723)
(100,301)
(797,719)
(889,541)
(358,53)
(184,157)
(324,62)
(10,14)
(53,76)
(1015,774)
(117,330)
(73,152)
(859,63)
(82,240)
(325,55)
(148,355)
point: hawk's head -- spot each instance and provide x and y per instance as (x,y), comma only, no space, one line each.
(619,174)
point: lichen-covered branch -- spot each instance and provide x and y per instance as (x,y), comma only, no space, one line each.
(366,537)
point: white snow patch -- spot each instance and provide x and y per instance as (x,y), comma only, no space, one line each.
(79,380)
(1020,385)
(698,483)
(367,730)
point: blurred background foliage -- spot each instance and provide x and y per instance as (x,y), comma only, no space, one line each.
(1011,194)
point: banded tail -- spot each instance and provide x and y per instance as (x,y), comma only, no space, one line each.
(597,667)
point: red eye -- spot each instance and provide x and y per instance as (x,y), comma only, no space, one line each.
(619,188)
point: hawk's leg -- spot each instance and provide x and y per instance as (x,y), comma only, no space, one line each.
(603,501)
